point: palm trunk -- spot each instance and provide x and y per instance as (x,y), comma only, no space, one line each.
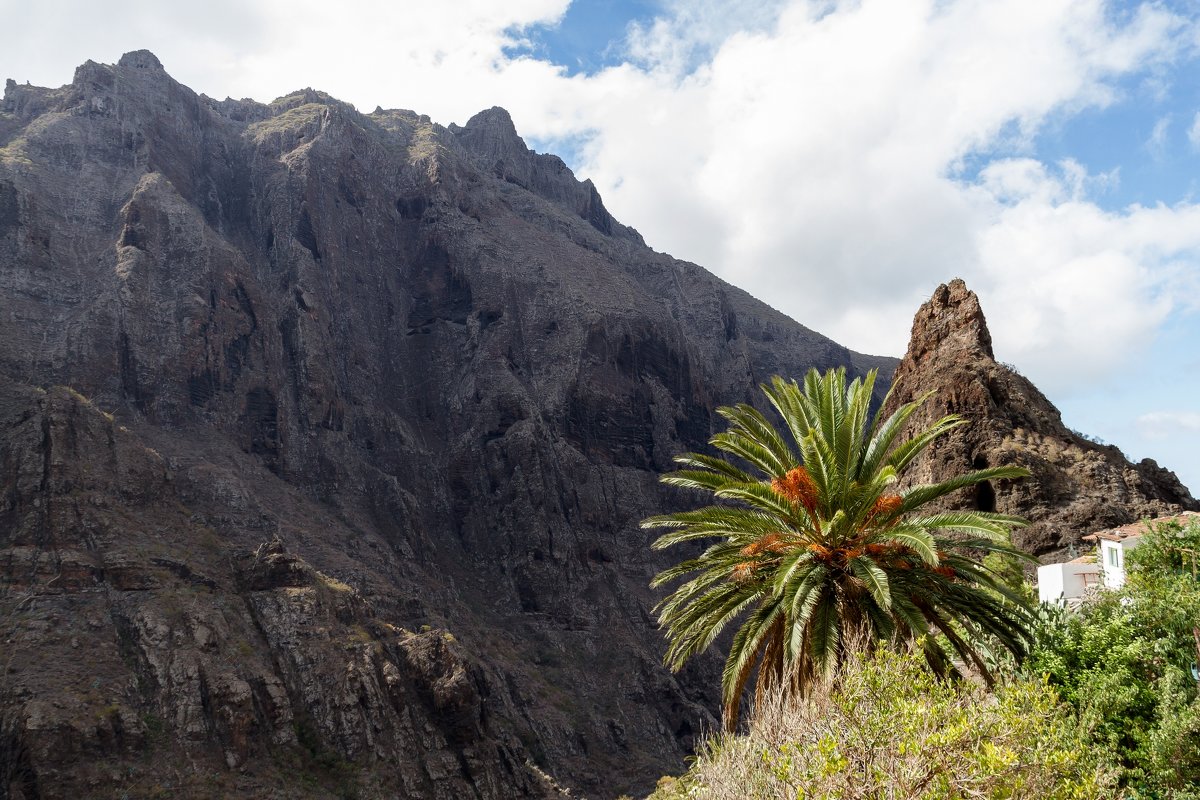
(770,668)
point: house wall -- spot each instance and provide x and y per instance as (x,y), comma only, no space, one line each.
(1051,582)
(1058,582)
(1112,560)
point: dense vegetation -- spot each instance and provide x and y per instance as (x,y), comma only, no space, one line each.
(1105,706)
(885,728)
(1124,662)
(848,595)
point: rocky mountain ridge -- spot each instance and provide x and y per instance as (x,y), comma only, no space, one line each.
(324,437)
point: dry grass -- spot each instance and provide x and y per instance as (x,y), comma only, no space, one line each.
(298,117)
(888,730)
(334,584)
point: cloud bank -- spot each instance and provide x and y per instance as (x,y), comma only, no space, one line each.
(848,159)
(1163,424)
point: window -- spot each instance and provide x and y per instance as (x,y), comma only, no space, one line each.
(1114,556)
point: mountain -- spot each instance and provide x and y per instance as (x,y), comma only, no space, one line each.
(1077,486)
(324,440)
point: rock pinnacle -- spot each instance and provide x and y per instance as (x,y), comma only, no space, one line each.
(952,319)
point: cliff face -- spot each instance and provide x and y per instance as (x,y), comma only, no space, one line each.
(148,653)
(1077,486)
(323,442)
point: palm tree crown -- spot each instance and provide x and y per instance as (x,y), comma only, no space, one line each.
(819,548)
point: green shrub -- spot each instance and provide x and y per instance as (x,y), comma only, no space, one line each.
(884,728)
(1123,661)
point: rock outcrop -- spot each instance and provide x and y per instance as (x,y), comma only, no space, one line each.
(324,438)
(1077,487)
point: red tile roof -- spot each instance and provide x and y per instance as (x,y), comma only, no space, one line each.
(1135,529)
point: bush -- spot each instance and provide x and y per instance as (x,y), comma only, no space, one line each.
(886,728)
(1169,547)
(1123,662)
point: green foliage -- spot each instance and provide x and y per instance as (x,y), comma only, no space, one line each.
(1169,547)
(1123,661)
(814,546)
(155,729)
(1009,569)
(885,728)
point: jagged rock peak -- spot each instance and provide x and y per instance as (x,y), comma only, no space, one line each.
(495,119)
(492,141)
(140,59)
(492,136)
(951,320)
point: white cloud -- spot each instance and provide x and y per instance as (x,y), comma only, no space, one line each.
(813,162)
(441,58)
(693,30)
(1081,291)
(1157,141)
(1194,132)
(1166,424)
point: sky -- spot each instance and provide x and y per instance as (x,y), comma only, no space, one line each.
(837,159)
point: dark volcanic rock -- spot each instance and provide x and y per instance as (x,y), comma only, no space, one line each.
(428,361)
(492,139)
(138,640)
(1077,486)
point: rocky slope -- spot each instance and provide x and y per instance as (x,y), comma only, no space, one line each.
(323,442)
(1077,486)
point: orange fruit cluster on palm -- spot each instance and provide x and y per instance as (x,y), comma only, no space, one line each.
(886,504)
(771,543)
(798,487)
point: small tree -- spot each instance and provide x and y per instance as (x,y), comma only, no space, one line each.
(816,546)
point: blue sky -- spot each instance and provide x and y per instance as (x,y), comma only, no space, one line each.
(838,159)
(590,35)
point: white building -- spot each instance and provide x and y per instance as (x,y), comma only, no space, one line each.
(1115,545)
(1065,582)
(1106,567)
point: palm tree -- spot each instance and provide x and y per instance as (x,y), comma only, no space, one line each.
(820,549)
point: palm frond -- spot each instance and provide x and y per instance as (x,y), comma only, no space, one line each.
(902,456)
(824,634)
(739,444)
(984,525)
(701,461)
(750,421)
(743,653)
(926,493)
(874,578)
